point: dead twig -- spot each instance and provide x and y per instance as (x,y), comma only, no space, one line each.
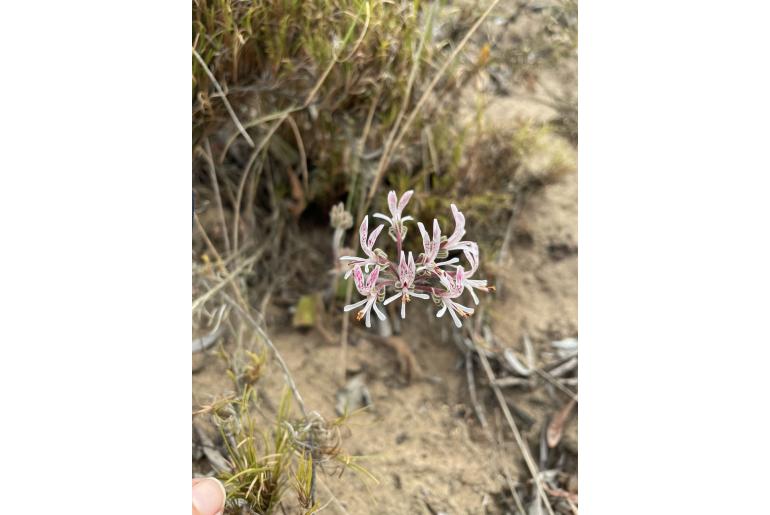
(533,469)
(472,390)
(224,99)
(548,377)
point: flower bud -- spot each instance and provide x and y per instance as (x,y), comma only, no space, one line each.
(339,218)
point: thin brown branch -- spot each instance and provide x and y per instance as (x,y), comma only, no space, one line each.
(533,469)
(224,99)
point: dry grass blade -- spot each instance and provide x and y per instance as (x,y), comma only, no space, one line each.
(440,73)
(229,108)
(548,377)
(207,155)
(394,130)
(227,279)
(281,362)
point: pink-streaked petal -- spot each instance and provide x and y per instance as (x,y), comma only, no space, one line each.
(373,237)
(372,280)
(425,240)
(404,200)
(459,231)
(358,278)
(392,203)
(473,260)
(460,275)
(403,269)
(436,233)
(409,268)
(363,231)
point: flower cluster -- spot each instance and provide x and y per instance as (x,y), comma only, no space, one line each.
(433,275)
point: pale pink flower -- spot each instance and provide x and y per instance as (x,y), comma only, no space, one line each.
(405,284)
(470,284)
(453,242)
(396,207)
(370,290)
(367,245)
(454,288)
(431,248)
(408,279)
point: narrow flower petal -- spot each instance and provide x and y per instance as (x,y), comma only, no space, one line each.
(436,234)
(441,312)
(358,278)
(392,202)
(373,238)
(459,231)
(363,231)
(351,307)
(473,294)
(372,280)
(404,200)
(459,276)
(384,217)
(380,314)
(403,310)
(455,318)
(419,295)
(392,298)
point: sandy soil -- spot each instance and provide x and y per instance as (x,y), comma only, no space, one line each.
(422,439)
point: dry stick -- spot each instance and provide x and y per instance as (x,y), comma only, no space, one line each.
(245,176)
(344,334)
(385,158)
(548,377)
(424,97)
(215,183)
(363,33)
(516,434)
(302,155)
(472,390)
(224,99)
(511,486)
(281,362)
(220,261)
(227,279)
